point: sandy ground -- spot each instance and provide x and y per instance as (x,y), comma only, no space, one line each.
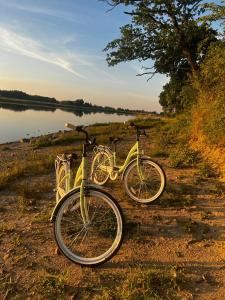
(184,229)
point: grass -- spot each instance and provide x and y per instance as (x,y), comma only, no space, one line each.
(5,148)
(7,286)
(177,196)
(6,228)
(34,165)
(206,171)
(147,284)
(53,287)
(28,193)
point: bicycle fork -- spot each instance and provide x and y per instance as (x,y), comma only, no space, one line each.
(82,177)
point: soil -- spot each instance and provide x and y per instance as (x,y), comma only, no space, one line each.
(183,229)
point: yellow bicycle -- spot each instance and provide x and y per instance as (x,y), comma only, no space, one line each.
(88,222)
(144,179)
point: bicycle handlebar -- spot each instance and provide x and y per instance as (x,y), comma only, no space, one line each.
(70,126)
(140,130)
(81,129)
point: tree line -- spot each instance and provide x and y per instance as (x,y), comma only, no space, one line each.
(78,104)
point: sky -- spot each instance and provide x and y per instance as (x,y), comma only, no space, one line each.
(55,48)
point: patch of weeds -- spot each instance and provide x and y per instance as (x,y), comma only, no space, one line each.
(34,165)
(146,284)
(179,200)
(27,196)
(52,287)
(6,228)
(7,286)
(43,141)
(28,193)
(181,156)
(5,148)
(188,225)
(42,217)
(132,228)
(17,240)
(205,215)
(219,188)
(205,170)
(198,230)
(158,152)
(12,173)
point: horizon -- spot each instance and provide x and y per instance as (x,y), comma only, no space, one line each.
(56,50)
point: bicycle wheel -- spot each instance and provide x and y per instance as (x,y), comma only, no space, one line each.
(149,189)
(100,168)
(95,242)
(62,185)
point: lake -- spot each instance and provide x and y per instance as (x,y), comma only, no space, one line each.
(25,123)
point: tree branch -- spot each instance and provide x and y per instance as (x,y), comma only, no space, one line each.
(149,16)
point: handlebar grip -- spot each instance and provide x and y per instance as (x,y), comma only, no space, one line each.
(70,126)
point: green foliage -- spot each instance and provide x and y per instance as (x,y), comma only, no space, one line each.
(211,87)
(164,31)
(214,12)
(205,170)
(178,95)
(147,284)
(52,287)
(181,156)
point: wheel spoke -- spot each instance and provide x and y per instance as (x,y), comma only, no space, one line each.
(152,185)
(95,241)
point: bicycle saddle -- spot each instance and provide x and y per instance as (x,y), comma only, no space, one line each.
(67,156)
(114,140)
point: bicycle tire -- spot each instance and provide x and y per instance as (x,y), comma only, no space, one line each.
(107,233)
(132,191)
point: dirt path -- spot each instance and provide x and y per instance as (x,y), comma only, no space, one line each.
(183,231)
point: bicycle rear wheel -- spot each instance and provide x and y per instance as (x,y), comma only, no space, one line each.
(93,243)
(100,168)
(148,189)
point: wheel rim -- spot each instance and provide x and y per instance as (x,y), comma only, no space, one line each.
(94,242)
(100,176)
(148,189)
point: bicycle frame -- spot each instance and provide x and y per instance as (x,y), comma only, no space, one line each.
(79,182)
(134,152)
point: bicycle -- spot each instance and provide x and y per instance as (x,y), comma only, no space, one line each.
(144,179)
(88,222)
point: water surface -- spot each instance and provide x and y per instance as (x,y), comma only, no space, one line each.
(15,124)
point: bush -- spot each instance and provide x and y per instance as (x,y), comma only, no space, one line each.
(182,156)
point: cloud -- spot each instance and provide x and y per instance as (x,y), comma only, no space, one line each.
(14,42)
(68,16)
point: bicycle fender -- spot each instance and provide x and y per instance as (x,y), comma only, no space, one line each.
(57,206)
(131,162)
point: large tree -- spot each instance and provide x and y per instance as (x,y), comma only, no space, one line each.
(165,31)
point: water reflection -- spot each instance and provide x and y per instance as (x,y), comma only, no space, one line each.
(18,121)
(76,111)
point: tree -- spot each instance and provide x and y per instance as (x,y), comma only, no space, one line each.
(164,31)
(216,12)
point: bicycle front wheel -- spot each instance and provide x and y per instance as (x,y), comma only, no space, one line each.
(93,243)
(148,188)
